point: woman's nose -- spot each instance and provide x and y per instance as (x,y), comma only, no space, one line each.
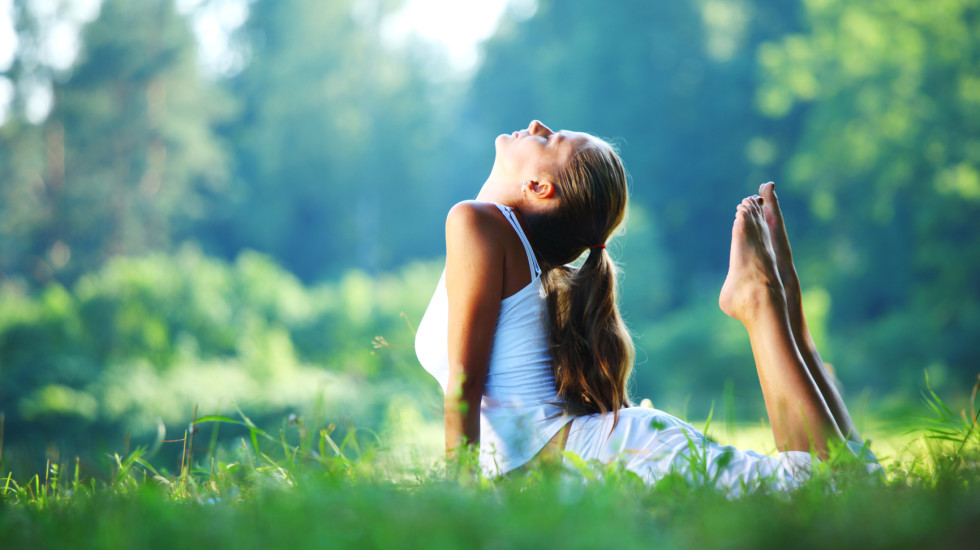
(538,128)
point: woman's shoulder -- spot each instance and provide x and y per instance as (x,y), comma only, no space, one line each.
(477,219)
(475,253)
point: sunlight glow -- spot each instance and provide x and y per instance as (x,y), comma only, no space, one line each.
(214,23)
(8,38)
(459,27)
(455,28)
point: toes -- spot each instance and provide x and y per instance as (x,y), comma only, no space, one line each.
(752,205)
(768,192)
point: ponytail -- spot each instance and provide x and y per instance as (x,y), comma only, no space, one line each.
(592,351)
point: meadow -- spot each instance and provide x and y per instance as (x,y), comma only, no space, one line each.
(312,486)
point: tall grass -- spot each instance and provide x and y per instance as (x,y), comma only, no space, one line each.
(306,485)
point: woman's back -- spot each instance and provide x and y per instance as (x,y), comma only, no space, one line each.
(520,410)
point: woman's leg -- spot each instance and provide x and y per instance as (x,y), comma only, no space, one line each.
(797,321)
(753,293)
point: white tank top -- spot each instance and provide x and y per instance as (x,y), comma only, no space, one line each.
(520,411)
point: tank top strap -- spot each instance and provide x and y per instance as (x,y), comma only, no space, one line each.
(532,261)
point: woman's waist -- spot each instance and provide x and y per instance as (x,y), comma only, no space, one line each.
(527,401)
(534,387)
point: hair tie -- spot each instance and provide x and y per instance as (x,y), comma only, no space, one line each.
(597,246)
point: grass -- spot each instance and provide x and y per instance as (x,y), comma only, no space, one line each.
(312,487)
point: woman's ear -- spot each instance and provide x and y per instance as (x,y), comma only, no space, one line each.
(542,189)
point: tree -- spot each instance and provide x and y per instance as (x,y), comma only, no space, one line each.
(128,149)
(337,145)
(890,164)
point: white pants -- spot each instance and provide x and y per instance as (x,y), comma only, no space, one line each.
(653,444)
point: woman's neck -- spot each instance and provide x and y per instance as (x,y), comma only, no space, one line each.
(505,193)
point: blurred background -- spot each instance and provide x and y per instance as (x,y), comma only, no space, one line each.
(219,204)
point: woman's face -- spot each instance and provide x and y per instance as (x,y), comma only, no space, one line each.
(536,153)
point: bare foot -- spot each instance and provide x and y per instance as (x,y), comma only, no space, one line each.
(752,276)
(780,243)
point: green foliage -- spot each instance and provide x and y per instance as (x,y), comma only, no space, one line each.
(888,159)
(337,145)
(123,161)
(151,338)
(689,354)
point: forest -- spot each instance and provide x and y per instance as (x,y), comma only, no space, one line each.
(261,233)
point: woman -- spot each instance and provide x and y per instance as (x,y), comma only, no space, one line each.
(534,357)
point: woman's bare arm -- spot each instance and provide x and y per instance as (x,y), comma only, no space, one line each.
(474,282)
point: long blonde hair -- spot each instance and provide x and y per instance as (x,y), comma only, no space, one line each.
(592,351)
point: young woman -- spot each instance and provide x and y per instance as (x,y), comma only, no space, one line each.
(534,357)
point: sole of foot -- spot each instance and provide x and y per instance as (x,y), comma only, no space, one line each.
(752,274)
